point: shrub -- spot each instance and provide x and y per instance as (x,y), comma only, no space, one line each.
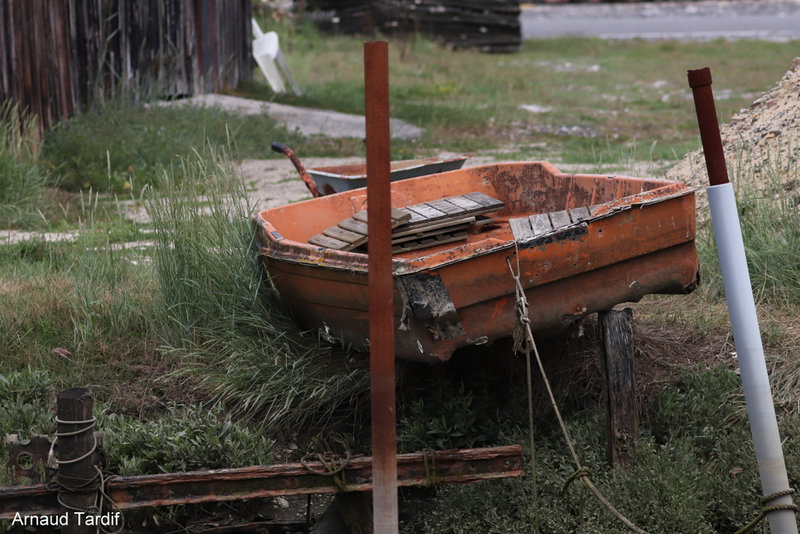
(184,438)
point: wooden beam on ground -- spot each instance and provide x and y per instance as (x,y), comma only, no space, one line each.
(622,415)
(222,485)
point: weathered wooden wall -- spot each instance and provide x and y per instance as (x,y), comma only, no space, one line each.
(59,55)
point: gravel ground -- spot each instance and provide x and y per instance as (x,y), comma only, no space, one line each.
(761,143)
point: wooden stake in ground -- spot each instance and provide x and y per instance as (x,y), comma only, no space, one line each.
(77,476)
(381,308)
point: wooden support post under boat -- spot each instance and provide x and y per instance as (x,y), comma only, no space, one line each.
(381,308)
(622,415)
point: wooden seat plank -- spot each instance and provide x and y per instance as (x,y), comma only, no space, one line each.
(433,226)
(560,219)
(428,212)
(463,202)
(354,226)
(430,242)
(431,233)
(416,226)
(540,224)
(328,242)
(485,200)
(355,239)
(579,214)
(399,216)
(521,228)
(446,206)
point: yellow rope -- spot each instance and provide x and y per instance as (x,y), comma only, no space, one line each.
(765,509)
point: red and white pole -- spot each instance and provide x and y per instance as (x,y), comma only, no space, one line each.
(381,306)
(742,311)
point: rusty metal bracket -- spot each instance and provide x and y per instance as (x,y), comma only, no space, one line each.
(27,458)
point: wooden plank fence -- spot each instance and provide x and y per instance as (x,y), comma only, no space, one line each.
(57,56)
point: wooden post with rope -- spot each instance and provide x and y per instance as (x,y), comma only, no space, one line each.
(75,453)
(622,415)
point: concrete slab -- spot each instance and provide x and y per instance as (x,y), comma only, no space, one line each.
(308,121)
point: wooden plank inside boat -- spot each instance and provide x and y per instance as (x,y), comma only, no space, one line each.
(560,219)
(418,226)
(579,214)
(540,224)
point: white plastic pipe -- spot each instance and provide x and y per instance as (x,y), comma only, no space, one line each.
(747,336)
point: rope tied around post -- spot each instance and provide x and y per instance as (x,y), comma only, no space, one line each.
(75,484)
(767,508)
(525,327)
(429,462)
(94,485)
(333,464)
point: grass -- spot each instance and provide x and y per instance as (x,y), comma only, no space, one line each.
(612,96)
(185,338)
(21,177)
(124,146)
(223,319)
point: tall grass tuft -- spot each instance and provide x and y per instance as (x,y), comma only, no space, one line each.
(21,177)
(223,321)
(768,199)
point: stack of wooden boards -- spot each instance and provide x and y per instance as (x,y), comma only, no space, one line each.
(419,226)
(486,26)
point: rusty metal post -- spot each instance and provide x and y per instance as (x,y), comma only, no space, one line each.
(77,476)
(381,306)
(700,82)
(777,498)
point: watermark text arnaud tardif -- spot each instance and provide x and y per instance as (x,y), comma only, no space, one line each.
(109,519)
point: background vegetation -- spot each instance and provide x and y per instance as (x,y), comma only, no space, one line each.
(180,335)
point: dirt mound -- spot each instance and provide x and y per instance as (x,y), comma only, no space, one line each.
(762,144)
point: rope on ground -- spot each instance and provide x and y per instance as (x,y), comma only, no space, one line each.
(767,508)
(581,473)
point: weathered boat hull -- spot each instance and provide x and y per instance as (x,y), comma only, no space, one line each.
(638,239)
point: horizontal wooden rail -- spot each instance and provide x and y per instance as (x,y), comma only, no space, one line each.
(218,485)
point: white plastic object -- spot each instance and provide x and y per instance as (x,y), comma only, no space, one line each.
(270,59)
(750,351)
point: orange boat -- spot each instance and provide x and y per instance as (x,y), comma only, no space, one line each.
(583,244)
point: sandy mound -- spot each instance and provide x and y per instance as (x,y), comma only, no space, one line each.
(762,145)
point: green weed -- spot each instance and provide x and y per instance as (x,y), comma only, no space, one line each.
(182,438)
(221,317)
(694,472)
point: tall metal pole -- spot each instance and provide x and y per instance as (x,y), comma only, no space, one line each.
(381,306)
(742,311)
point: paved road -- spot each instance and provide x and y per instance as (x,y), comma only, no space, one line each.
(732,19)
